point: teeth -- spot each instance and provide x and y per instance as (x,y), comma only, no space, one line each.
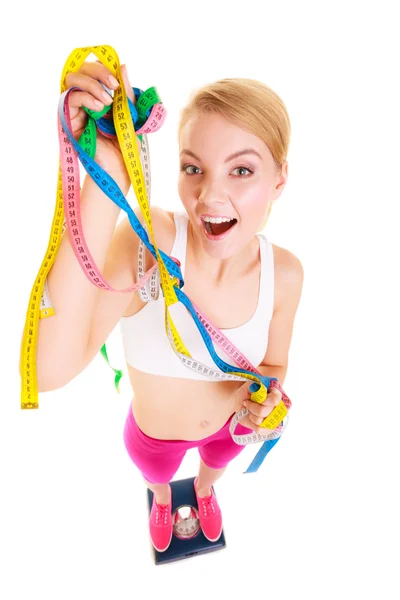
(217,219)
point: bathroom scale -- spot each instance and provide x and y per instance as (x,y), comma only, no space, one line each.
(187,537)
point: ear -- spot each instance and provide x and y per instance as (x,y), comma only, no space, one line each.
(281,179)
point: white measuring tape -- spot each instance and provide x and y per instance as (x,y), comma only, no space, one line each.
(150,292)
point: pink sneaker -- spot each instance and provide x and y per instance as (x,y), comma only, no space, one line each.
(209,515)
(160,525)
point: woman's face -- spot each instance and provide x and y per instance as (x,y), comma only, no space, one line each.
(215,184)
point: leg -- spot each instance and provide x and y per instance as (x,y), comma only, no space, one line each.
(162,491)
(158,460)
(208,509)
(206,478)
(215,454)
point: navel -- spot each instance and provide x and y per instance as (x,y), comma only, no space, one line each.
(204,424)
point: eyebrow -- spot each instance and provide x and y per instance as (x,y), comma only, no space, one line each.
(230,157)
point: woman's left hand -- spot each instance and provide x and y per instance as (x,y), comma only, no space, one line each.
(258,412)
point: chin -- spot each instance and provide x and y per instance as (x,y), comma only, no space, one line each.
(221,253)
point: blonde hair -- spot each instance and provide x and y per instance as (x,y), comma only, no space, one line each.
(251,105)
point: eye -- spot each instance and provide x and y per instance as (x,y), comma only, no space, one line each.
(185,167)
(242,176)
(244,169)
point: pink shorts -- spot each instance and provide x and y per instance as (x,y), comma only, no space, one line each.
(159,460)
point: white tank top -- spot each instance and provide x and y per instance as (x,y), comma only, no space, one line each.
(145,340)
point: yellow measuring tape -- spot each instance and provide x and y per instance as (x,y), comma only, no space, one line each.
(125,132)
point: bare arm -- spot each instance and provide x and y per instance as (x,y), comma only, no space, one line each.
(120,271)
(121,268)
(291,277)
(63,338)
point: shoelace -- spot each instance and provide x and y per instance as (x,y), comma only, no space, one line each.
(207,505)
(162,512)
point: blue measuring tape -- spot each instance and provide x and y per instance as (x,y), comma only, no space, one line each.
(107,184)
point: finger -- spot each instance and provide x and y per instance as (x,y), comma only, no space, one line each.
(90,86)
(244,392)
(273,398)
(264,431)
(247,422)
(259,410)
(127,84)
(79,99)
(98,71)
(275,393)
(255,420)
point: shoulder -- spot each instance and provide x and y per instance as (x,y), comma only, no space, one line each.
(287,265)
(288,276)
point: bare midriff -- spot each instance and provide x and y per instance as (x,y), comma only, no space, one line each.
(187,409)
(180,409)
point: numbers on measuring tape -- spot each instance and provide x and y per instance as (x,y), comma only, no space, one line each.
(164,274)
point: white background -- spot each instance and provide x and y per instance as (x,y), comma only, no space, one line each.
(320,518)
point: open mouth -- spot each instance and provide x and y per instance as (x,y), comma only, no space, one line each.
(218,231)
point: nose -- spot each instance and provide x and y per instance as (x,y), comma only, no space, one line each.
(211,195)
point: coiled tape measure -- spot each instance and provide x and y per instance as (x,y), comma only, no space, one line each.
(126,123)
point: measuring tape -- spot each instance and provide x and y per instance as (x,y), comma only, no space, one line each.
(280,412)
(68,176)
(148,116)
(277,420)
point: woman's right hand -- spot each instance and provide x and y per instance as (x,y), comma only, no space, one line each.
(94,96)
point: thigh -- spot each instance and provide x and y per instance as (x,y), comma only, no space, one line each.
(157,460)
(220,449)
